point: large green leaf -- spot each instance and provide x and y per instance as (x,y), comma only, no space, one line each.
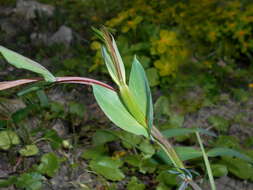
(139,86)
(22,62)
(228,152)
(113,108)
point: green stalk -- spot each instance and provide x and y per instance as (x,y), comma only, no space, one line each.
(207,163)
(167,148)
(132,105)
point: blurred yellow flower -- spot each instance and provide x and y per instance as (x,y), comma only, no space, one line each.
(95,45)
(212,36)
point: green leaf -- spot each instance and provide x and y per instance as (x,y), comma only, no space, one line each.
(134,184)
(102,136)
(44,102)
(176,120)
(108,167)
(219,170)
(228,152)
(153,77)
(7,182)
(219,123)
(8,138)
(129,140)
(23,113)
(162,106)
(30,181)
(184,131)
(146,148)
(110,66)
(77,109)
(113,108)
(133,160)
(22,62)
(29,150)
(238,167)
(227,141)
(121,64)
(187,153)
(139,86)
(184,153)
(54,139)
(207,163)
(95,152)
(167,179)
(49,165)
(147,166)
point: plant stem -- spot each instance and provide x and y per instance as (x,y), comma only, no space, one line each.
(207,163)
(171,153)
(167,147)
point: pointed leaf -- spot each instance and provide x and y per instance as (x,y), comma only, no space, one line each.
(11,84)
(113,108)
(184,131)
(121,64)
(22,62)
(228,152)
(110,66)
(139,86)
(185,153)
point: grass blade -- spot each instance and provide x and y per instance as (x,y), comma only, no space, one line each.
(222,151)
(207,163)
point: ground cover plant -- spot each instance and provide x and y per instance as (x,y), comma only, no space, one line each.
(129,107)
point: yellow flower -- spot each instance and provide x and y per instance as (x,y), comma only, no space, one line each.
(95,45)
(212,36)
(165,68)
(251,85)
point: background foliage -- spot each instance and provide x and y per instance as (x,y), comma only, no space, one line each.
(197,55)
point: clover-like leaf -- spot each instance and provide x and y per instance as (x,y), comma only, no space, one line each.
(8,138)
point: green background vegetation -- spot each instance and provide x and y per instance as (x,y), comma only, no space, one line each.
(198,46)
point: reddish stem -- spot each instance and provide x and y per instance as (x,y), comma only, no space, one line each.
(77,80)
